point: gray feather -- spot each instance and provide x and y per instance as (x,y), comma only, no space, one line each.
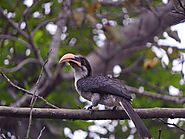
(103,85)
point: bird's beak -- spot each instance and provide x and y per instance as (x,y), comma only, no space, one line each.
(70,58)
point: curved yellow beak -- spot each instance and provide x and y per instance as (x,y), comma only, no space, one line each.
(70,58)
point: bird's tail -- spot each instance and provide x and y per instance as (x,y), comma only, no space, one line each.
(139,124)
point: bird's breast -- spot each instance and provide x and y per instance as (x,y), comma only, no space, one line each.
(107,100)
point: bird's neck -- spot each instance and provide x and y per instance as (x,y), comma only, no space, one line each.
(79,75)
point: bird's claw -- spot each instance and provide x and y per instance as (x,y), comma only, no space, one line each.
(90,107)
(114,108)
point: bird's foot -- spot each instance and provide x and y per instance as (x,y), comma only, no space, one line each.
(90,107)
(114,108)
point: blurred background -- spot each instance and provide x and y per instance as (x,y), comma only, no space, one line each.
(140,42)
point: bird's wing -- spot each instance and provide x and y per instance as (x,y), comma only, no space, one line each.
(103,85)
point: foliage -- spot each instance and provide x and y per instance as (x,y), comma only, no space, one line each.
(84,33)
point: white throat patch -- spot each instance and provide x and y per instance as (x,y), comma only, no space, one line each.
(78,74)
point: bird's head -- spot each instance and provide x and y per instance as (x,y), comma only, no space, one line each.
(80,65)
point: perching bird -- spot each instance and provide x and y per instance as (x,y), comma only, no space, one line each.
(103,90)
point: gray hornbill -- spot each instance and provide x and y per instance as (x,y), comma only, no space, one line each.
(103,90)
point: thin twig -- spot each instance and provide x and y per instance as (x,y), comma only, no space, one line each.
(20,65)
(34,48)
(177,100)
(27,92)
(45,22)
(10,37)
(159,135)
(23,33)
(133,66)
(33,99)
(32,43)
(42,130)
(172,125)
(27,12)
(13,24)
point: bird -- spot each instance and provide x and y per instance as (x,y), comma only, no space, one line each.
(99,89)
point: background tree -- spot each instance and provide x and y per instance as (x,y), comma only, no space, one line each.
(130,40)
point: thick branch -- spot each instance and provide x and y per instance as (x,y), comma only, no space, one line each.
(119,3)
(48,83)
(135,34)
(55,44)
(90,115)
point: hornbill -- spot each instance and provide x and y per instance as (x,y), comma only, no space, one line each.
(103,90)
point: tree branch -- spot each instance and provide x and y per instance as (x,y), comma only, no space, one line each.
(119,3)
(20,65)
(34,99)
(48,83)
(152,24)
(13,24)
(13,38)
(26,91)
(43,23)
(26,35)
(55,44)
(40,134)
(164,122)
(178,100)
(82,114)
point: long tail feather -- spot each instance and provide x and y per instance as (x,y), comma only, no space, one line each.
(139,124)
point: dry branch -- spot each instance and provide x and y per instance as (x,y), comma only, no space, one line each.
(112,3)
(82,114)
(26,91)
(13,24)
(13,38)
(147,31)
(152,95)
(49,83)
(21,65)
